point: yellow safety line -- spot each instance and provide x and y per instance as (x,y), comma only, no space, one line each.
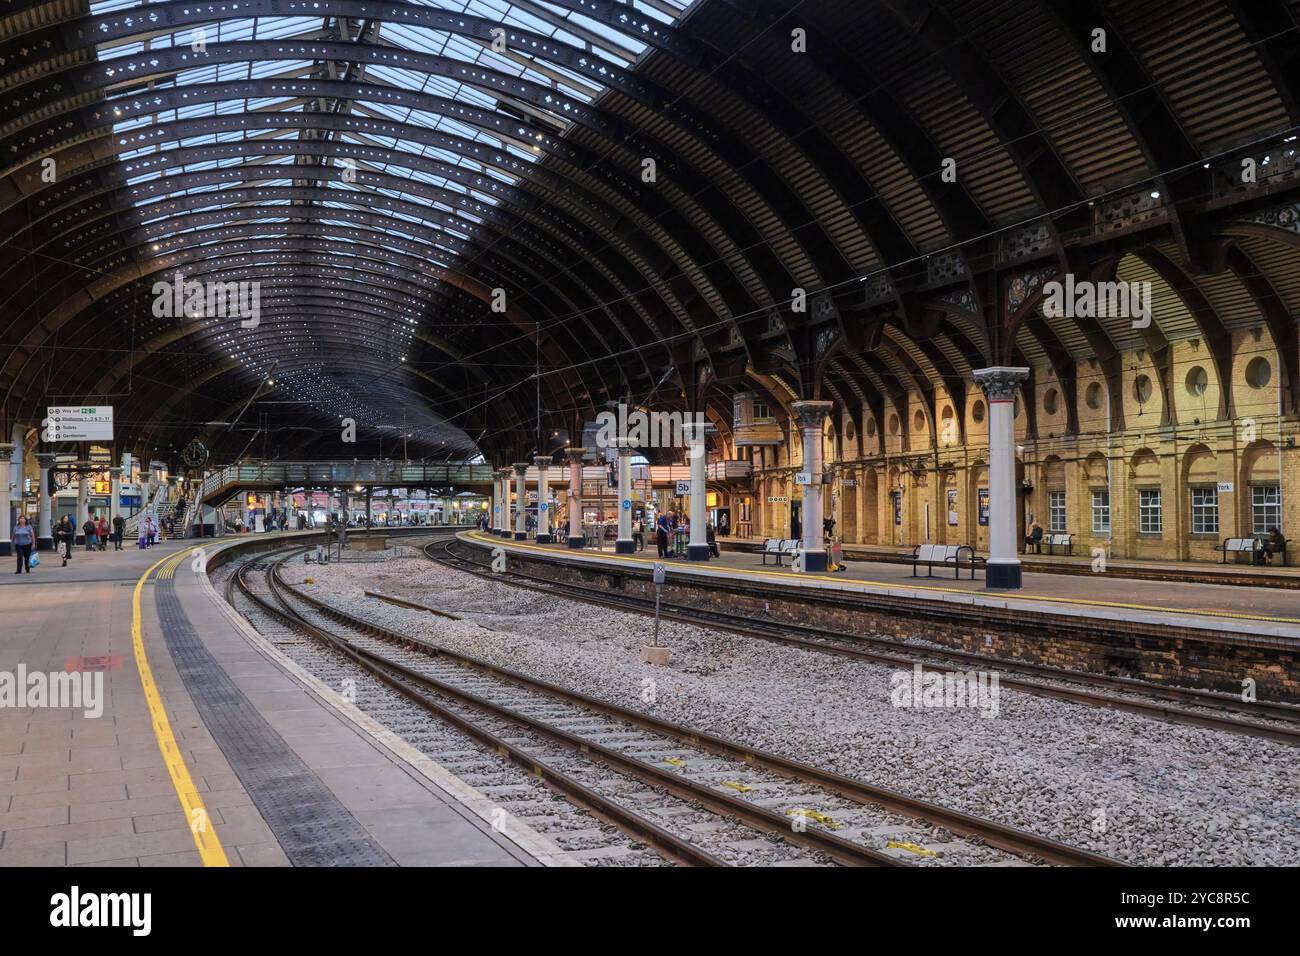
(867,585)
(205,834)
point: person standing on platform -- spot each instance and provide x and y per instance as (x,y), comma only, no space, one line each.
(661,534)
(91,532)
(64,535)
(101,533)
(119,529)
(24,540)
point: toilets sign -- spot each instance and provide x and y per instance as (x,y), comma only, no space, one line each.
(84,423)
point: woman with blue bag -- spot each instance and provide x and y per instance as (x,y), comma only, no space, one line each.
(24,541)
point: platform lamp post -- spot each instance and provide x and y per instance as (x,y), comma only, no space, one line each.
(6,454)
(543,463)
(625,543)
(812,419)
(45,533)
(698,548)
(1000,385)
(521,501)
(574,457)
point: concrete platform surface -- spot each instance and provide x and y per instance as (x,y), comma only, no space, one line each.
(1254,611)
(216,751)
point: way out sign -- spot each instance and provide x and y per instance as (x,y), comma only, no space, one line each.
(80,423)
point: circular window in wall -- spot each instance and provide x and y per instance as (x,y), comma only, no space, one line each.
(1093,396)
(977,411)
(918,421)
(1197,381)
(1142,388)
(1258,372)
(1050,401)
(850,432)
(871,428)
(893,424)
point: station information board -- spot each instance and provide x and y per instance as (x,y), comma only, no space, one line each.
(80,423)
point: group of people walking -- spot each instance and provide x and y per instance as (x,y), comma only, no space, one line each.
(99,533)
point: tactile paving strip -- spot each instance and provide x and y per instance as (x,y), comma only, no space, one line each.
(313,827)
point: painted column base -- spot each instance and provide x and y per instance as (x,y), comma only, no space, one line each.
(521,535)
(79,539)
(44,544)
(577,542)
(502,534)
(814,560)
(6,548)
(543,539)
(697,552)
(624,547)
(1002,574)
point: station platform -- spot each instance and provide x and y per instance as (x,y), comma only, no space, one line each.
(1242,612)
(205,746)
(1232,572)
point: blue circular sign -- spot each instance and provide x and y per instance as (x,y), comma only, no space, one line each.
(626,504)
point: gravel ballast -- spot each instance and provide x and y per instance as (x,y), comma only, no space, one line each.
(1120,784)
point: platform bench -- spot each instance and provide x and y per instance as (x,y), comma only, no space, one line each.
(943,555)
(1240,546)
(1054,541)
(779,548)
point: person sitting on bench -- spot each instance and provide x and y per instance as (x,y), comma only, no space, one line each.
(1035,539)
(1274,544)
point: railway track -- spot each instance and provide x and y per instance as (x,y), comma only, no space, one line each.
(1190,706)
(849,821)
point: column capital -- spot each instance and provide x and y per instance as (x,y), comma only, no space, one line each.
(115,471)
(811,414)
(46,459)
(1000,382)
(521,468)
(574,455)
(543,461)
(7,451)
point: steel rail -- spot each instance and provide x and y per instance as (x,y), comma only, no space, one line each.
(1010,839)
(849,645)
(406,683)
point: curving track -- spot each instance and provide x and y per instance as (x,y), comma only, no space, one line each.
(1184,705)
(780,800)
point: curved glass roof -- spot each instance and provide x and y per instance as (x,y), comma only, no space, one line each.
(425,190)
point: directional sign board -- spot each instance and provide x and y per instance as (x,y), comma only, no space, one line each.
(86,423)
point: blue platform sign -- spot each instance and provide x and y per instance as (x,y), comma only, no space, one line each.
(542,507)
(627,503)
